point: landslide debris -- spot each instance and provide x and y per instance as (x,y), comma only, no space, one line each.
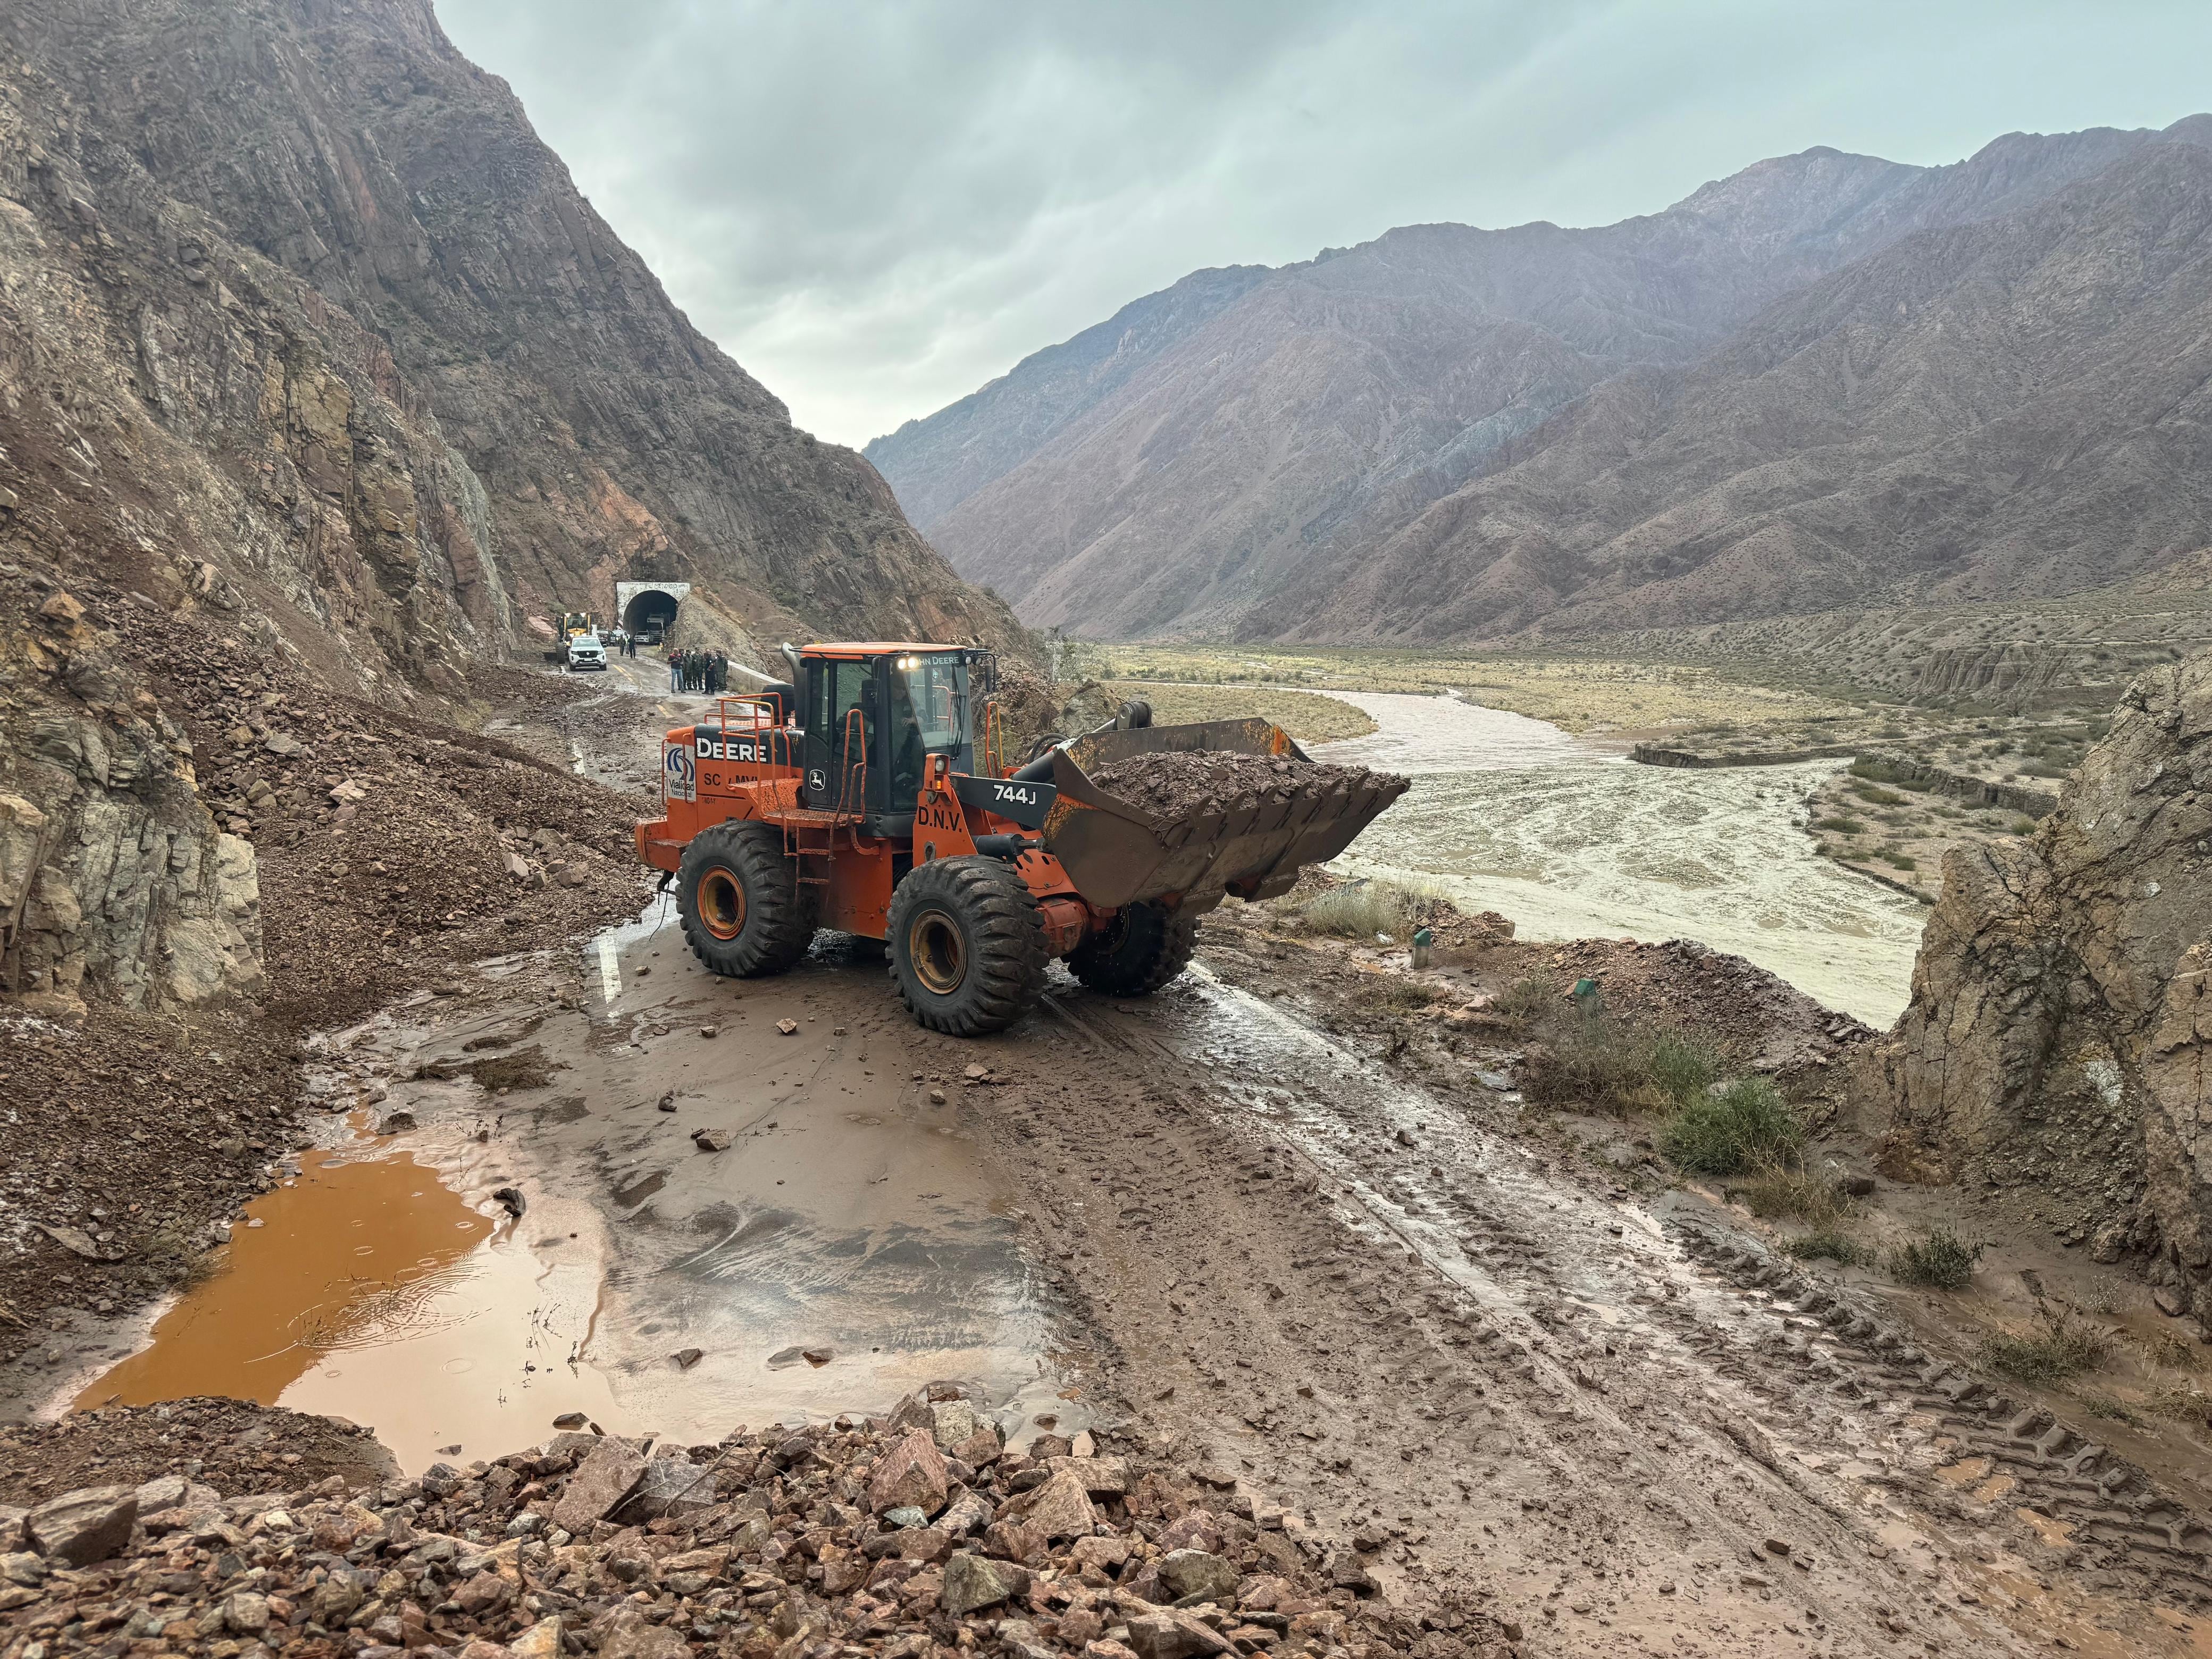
(391,848)
(2059,1036)
(232,1444)
(1174,785)
(917,1534)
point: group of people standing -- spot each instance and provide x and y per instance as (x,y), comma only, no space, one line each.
(691,670)
(622,640)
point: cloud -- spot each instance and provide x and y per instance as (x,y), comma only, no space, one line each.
(877,207)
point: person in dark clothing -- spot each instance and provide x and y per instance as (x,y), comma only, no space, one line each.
(675,670)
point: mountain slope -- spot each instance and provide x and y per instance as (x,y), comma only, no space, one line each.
(331,260)
(2011,409)
(317,379)
(955,452)
(1270,448)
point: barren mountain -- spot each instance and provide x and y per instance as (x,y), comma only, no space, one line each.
(292,291)
(1243,475)
(2004,410)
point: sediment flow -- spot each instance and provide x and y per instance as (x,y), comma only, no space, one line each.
(1570,842)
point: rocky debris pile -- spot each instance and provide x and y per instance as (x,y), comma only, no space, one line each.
(1757,1018)
(230,1444)
(2060,1032)
(125,1135)
(918,1536)
(1174,785)
(387,841)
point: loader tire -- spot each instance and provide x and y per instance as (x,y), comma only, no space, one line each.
(1141,949)
(967,946)
(737,897)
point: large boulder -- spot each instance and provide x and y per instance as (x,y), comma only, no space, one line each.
(83,1527)
(2057,1036)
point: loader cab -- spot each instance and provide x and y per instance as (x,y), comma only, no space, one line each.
(874,714)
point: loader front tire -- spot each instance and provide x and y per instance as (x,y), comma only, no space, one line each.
(737,897)
(967,946)
(1140,951)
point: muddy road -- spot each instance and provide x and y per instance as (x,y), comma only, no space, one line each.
(1326,1266)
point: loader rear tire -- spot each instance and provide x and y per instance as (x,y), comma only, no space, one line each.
(737,897)
(1142,949)
(967,946)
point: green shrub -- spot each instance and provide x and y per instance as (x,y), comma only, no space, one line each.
(2023,826)
(1682,1066)
(1745,1124)
(1780,1191)
(1842,826)
(1876,795)
(1939,1260)
(1604,1063)
(1526,999)
(1359,910)
(2056,1351)
(1897,860)
(1594,1062)
(1828,1244)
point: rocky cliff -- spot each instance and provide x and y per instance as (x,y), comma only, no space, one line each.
(2060,1032)
(1451,433)
(303,332)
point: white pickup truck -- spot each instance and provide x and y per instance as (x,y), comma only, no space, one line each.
(587,655)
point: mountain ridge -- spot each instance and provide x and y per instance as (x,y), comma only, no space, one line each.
(1331,403)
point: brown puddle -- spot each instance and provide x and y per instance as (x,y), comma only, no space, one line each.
(354,1251)
(373,1291)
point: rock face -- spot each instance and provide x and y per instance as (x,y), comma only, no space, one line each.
(1824,375)
(329,276)
(303,331)
(2060,1029)
(114,880)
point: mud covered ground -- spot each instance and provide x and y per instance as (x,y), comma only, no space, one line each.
(1287,1222)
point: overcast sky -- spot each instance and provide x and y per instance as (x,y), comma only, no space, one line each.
(877,207)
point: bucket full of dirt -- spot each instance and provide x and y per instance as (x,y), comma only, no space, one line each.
(1183,814)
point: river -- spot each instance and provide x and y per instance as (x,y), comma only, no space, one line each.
(1570,839)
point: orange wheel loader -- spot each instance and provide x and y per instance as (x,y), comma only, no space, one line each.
(867,795)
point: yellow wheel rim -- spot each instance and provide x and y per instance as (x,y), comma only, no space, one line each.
(938,952)
(722,904)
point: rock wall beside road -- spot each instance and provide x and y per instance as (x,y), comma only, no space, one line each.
(2060,1030)
(114,879)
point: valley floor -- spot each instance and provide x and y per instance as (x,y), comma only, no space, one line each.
(1289,1222)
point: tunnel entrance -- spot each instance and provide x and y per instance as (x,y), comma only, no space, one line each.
(648,609)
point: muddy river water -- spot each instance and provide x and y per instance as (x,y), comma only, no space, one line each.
(1570,839)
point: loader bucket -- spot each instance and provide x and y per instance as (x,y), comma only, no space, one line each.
(1116,853)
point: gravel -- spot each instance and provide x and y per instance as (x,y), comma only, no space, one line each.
(918,1536)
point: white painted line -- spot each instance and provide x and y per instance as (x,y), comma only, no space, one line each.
(609,971)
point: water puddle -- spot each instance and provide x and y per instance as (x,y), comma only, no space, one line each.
(1571,841)
(372,1290)
(849,1245)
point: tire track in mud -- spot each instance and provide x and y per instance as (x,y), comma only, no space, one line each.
(2004,1453)
(1636,1406)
